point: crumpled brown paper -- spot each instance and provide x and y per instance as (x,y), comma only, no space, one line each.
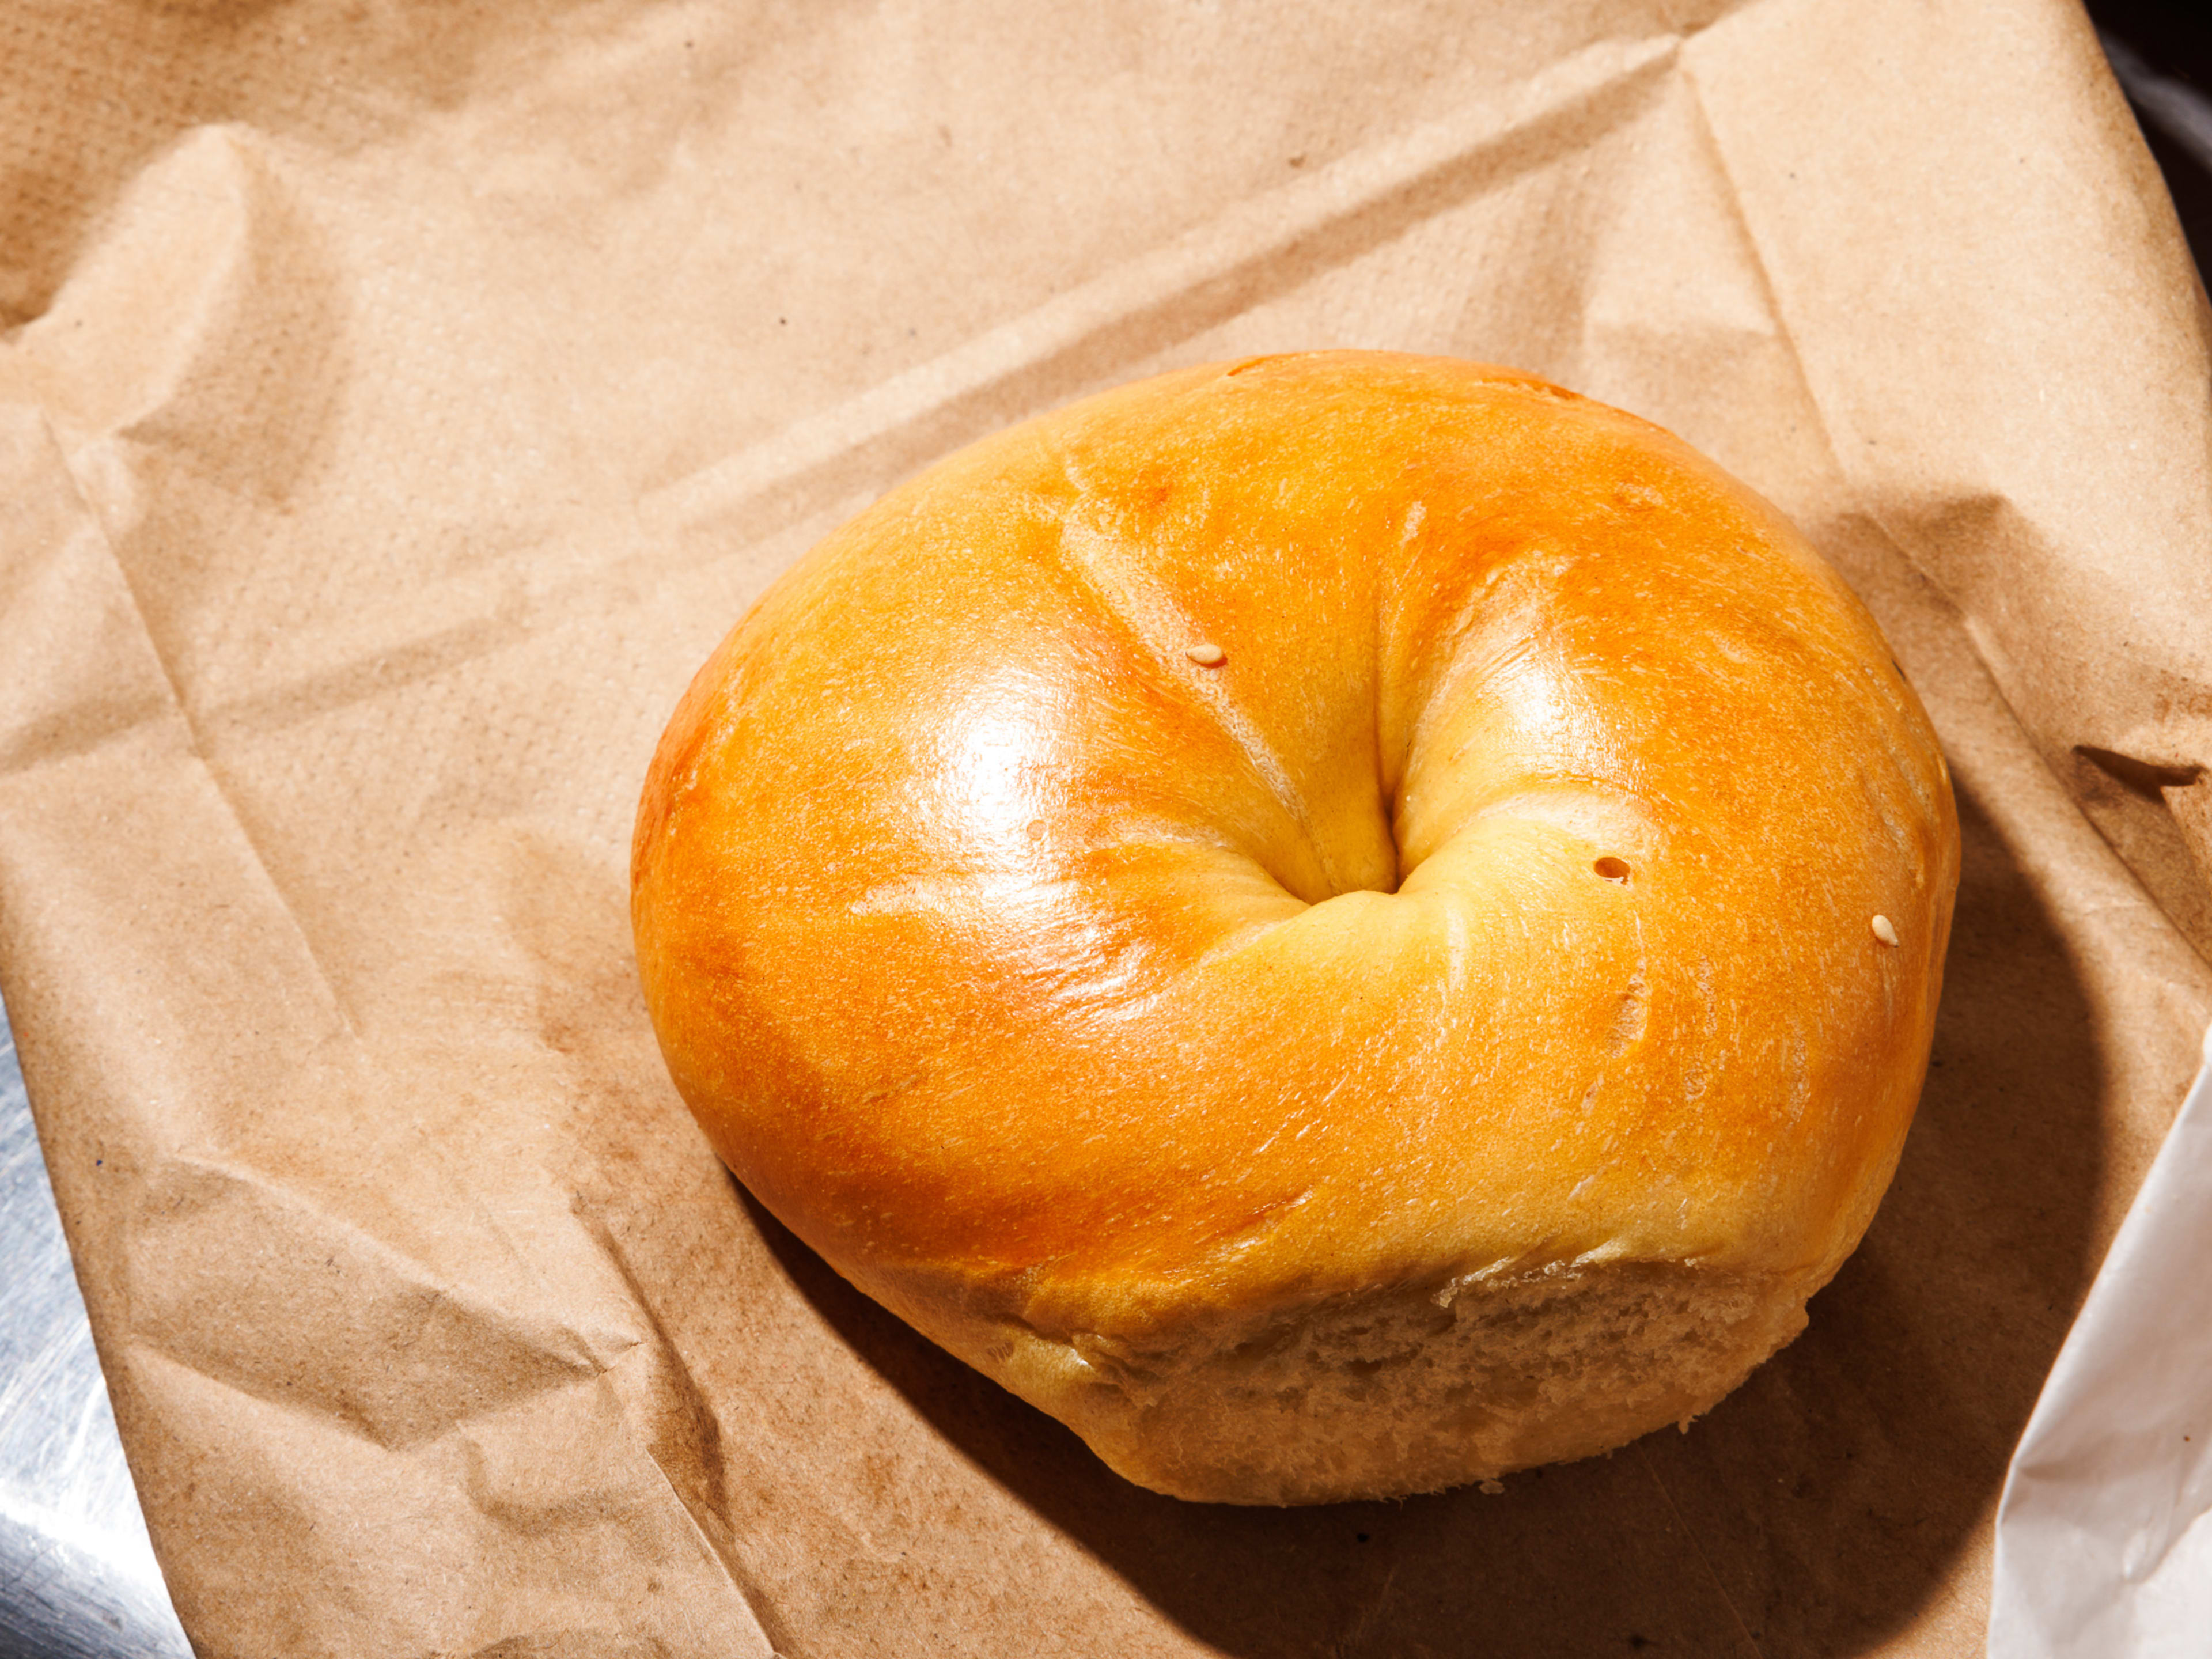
(400,402)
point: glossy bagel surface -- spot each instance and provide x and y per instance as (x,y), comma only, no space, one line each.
(1343,923)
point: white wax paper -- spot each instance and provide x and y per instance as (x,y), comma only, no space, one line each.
(2104,1548)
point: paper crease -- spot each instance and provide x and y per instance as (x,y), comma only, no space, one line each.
(337,1000)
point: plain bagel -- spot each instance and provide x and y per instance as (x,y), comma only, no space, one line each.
(1343,924)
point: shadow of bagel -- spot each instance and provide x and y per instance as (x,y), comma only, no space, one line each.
(1813,1512)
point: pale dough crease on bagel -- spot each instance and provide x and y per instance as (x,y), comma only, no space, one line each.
(1343,923)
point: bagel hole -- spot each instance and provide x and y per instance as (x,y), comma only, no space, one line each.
(1613,869)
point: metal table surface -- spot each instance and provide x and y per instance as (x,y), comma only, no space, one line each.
(77,1575)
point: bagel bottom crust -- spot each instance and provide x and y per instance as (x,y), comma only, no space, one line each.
(1405,1388)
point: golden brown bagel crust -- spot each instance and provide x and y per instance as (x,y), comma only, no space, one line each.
(1242,1060)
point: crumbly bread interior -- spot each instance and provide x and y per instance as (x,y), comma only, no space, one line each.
(1411,1388)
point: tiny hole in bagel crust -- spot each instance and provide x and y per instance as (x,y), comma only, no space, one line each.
(1613,869)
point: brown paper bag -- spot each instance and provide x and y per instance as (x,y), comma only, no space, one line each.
(400,402)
